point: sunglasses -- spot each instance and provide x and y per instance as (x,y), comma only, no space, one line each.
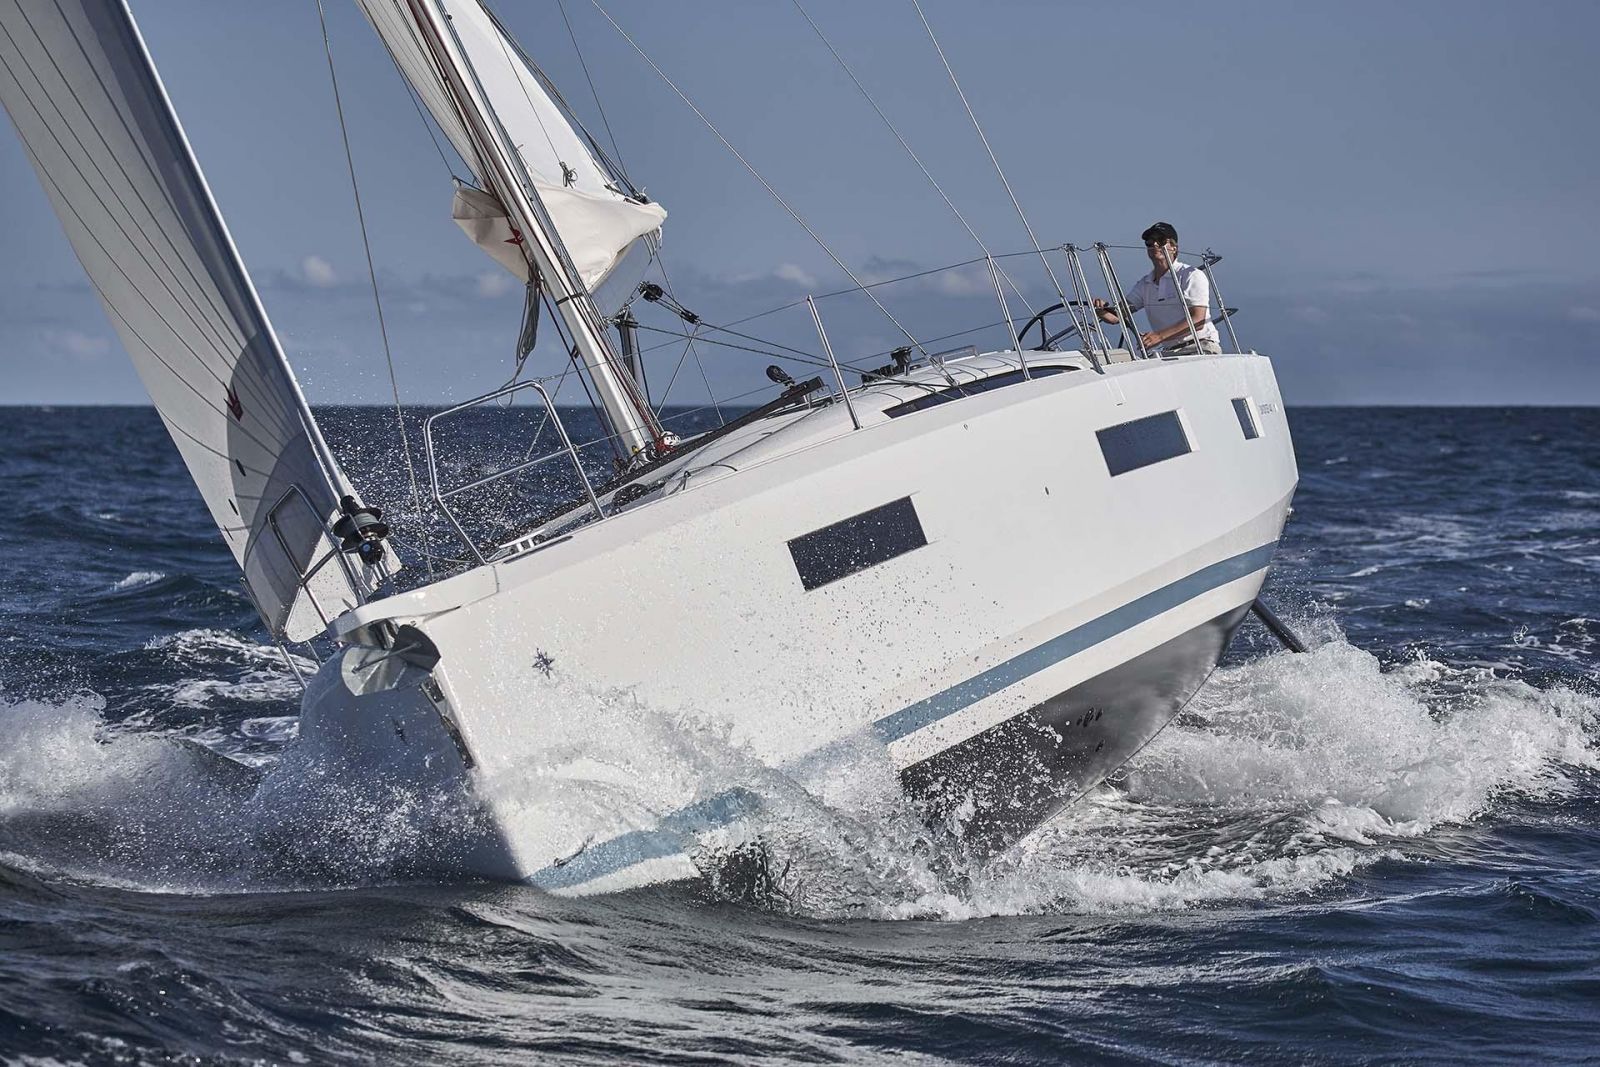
(1156,244)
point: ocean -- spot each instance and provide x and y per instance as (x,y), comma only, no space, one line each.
(1382,851)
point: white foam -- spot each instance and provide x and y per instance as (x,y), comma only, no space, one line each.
(255,686)
(1285,774)
(137,579)
(134,810)
(221,645)
(265,677)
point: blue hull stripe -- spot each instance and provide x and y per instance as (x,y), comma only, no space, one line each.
(1026,664)
(675,833)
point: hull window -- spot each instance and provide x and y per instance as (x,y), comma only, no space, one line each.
(1246,412)
(982,385)
(1131,445)
(856,543)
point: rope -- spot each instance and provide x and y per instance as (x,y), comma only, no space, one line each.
(986,147)
(758,177)
(377,301)
(862,89)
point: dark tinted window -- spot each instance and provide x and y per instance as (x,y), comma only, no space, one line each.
(1139,443)
(1247,418)
(982,385)
(856,543)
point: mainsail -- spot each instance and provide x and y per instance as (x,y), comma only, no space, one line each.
(100,131)
(600,221)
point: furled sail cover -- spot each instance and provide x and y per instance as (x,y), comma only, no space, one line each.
(99,129)
(601,226)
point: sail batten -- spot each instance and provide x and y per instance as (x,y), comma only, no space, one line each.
(112,157)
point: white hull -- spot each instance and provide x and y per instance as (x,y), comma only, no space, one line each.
(1041,623)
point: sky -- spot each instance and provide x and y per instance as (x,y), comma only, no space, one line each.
(1405,195)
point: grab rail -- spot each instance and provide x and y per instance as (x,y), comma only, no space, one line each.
(440,498)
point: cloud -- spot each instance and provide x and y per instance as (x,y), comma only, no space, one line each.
(791,272)
(86,346)
(1583,313)
(494,283)
(962,281)
(1357,284)
(318,272)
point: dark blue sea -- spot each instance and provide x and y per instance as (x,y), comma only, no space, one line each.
(1382,851)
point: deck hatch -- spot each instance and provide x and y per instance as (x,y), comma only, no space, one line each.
(854,544)
(965,389)
(1131,445)
(1247,417)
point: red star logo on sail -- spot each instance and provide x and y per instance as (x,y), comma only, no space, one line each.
(234,406)
(515,238)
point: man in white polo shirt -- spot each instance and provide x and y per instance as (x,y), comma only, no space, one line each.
(1157,293)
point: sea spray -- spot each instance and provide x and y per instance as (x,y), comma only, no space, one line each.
(1286,774)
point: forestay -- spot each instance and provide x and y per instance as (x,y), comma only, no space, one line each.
(604,228)
(100,132)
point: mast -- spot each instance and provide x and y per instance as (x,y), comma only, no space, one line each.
(626,412)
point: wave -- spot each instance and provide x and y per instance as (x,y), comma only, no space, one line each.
(137,579)
(149,810)
(1285,775)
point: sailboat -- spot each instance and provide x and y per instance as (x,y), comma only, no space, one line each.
(1004,571)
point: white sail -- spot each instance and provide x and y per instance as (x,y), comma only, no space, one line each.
(599,223)
(101,133)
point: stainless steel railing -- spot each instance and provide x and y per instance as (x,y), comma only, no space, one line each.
(441,496)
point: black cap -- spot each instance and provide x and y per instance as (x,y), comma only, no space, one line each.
(1160,231)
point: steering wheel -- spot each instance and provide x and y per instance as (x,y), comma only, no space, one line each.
(1046,339)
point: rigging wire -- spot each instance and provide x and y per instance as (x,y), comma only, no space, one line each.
(622,165)
(416,102)
(561,381)
(874,285)
(699,365)
(575,358)
(757,175)
(862,89)
(689,339)
(604,121)
(846,291)
(612,167)
(686,412)
(377,301)
(760,341)
(796,355)
(986,147)
(505,52)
